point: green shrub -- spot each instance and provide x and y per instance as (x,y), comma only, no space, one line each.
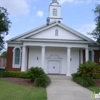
(15,74)
(84,81)
(89,69)
(35,72)
(2,70)
(74,75)
(41,81)
(38,76)
(86,68)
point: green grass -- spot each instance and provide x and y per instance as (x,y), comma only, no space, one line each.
(10,91)
(94,89)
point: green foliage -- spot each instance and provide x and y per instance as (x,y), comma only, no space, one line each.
(38,76)
(13,74)
(84,81)
(35,72)
(4,25)
(2,72)
(16,74)
(95,89)
(86,68)
(96,31)
(89,69)
(42,81)
(4,54)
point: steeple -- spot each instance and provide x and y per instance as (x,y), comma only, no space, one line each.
(55,11)
(54,1)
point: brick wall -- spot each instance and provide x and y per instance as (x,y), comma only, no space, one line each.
(10,60)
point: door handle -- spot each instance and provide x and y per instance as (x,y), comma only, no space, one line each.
(53,67)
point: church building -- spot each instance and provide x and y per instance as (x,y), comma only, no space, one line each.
(55,47)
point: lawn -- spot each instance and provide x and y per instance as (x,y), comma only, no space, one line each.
(94,89)
(10,91)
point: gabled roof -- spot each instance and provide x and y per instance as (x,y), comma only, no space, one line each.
(52,24)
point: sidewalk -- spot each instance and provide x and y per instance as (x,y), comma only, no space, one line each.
(63,88)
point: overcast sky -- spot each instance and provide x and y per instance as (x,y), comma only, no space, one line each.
(29,14)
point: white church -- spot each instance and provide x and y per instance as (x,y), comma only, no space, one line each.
(55,47)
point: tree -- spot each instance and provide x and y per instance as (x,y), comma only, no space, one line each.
(4,26)
(4,54)
(96,31)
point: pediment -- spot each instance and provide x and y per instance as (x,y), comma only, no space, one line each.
(50,34)
(54,57)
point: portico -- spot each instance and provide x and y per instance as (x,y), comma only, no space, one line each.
(51,59)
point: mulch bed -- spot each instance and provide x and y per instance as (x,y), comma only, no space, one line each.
(97,82)
(21,81)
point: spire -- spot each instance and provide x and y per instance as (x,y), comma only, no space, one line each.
(54,1)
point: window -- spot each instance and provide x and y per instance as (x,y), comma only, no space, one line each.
(56,32)
(90,55)
(16,57)
(54,12)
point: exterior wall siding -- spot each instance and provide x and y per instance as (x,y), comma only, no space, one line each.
(35,58)
(9,66)
(96,56)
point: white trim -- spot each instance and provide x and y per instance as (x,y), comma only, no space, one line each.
(86,54)
(54,40)
(68,72)
(26,33)
(92,54)
(36,31)
(54,58)
(23,66)
(13,62)
(43,57)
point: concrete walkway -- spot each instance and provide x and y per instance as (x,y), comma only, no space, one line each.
(63,88)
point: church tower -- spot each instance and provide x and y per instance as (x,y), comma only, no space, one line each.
(55,11)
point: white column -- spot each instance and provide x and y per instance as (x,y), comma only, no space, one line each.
(43,57)
(23,66)
(68,61)
(81,56)
(86,54)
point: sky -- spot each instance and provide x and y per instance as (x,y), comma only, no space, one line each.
(26,15)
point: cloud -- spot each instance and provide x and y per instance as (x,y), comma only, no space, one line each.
(74,1)
(87,28)
(40,13)
(16,6)
(64,1)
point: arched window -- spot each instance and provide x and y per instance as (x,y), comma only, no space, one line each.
(56,32)
(17,56)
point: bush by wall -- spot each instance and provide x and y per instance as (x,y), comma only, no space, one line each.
(38,76)
(89,69)
(84,81)
(14,74)
(35,72)
(42,81)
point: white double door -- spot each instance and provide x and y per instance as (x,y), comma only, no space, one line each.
(54,67)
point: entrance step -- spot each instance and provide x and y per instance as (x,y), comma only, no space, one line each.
(60,77)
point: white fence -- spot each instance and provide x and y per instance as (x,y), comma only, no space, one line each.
(3,62)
